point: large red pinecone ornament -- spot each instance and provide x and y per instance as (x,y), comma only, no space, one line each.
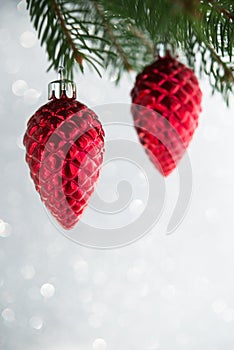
(65,143)
(171,93)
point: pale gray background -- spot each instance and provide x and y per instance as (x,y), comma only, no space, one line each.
(162,292)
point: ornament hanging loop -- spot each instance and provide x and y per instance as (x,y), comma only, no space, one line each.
(61,71)
(163,49)
(61,88)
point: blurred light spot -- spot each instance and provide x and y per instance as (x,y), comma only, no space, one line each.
(76,25)
(168,292)
(228,315)
(12,66)
(22,6)
(47,290)
(212,215)
(36,322)
(19,141)
(28,272)
(219,306)
(5,229)
(31,96)
(28,39)
(114,77)
(99,344)
(8,315)
(136,206)
(19,87)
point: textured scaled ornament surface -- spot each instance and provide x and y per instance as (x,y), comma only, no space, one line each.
(170,93)
(64,143)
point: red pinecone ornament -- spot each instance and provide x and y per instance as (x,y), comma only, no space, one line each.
(65,143)
(171,93)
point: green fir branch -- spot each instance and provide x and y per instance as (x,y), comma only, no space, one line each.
(121,35)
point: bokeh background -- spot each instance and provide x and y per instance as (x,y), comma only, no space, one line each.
(161,292)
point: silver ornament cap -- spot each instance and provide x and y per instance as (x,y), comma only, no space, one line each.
(61,87)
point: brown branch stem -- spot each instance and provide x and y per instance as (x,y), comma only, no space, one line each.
(227,71)
(112,36)
(77,55)
(222,10)
(135,31)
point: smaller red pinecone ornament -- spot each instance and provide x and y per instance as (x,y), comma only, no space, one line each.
(64,143)
(170,92)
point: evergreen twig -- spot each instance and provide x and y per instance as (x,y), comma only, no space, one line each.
(122,34)
(112,36)
(145,41)
(227,13)
(228,72)
(77,55)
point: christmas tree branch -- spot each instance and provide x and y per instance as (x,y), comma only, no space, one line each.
(144,40)
(120,35)
(112,36)
(77,55)
(228,72)
(227,13)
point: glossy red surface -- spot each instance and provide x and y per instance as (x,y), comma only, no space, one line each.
(170,92)
(64,143)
